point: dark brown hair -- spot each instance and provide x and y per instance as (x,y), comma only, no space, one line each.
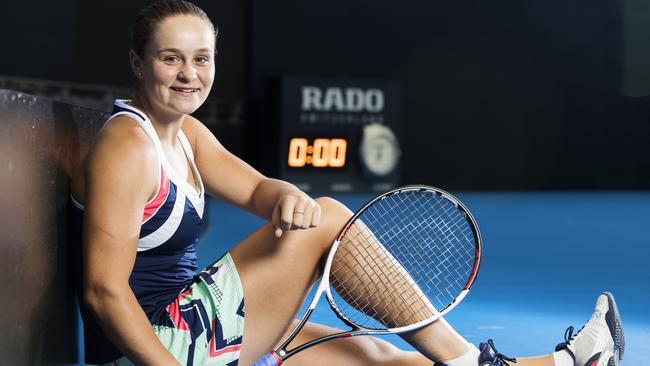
(149,17)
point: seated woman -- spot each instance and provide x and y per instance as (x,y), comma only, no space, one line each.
(139,197)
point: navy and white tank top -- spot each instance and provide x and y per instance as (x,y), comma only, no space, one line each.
(166,260)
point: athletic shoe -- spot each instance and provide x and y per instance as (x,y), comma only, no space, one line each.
(600,342)
(489,356)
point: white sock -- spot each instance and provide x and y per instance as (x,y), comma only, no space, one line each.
(469,358)
(562,358)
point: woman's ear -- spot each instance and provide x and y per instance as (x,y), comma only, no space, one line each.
(136,64)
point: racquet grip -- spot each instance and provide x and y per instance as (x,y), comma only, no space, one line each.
(269,359)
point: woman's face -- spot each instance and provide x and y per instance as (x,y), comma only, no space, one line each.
(178,66)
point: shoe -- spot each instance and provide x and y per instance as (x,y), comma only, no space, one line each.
(600,342)
(491,357)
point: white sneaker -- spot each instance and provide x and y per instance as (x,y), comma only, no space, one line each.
(600,342)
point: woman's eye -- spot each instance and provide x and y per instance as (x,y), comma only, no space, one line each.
(171,59)
(202,60)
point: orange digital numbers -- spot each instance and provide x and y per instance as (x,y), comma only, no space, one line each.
(321,154)
(298,152)
(338,149)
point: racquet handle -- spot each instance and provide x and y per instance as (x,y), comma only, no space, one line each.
(269,359)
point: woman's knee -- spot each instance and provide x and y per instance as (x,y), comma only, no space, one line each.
(334,215)
(333,212)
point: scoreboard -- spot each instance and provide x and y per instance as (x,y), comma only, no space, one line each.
(339,135)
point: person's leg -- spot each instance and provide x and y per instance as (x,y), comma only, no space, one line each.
(277,273)
(355,351)
(366,350)
(389,294)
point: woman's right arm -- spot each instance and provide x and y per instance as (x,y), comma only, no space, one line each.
(119,174)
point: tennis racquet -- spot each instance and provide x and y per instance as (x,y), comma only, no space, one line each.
(403,261)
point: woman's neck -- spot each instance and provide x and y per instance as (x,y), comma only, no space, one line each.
(166,125)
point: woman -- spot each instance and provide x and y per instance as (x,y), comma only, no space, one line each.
(139,197)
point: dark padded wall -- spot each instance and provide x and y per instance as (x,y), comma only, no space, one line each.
(39,143)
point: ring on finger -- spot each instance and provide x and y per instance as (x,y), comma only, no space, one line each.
(298,212)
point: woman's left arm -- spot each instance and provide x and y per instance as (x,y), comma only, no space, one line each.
(233,180)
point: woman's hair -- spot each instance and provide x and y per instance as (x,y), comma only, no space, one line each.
(149,17)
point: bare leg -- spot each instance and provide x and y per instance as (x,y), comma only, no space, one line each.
(363,351)
(374,282)
(276,275)
(535,361)
(388,293)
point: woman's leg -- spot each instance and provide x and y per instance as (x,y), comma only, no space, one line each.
(277,273)
(365,350)
(361,351)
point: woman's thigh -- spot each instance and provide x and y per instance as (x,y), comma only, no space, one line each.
(277,273)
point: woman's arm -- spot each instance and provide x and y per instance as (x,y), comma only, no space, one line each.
(228,177)
(119,174)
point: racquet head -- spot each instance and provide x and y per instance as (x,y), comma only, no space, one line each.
(402,261)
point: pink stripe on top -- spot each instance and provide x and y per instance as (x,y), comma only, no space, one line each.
(163,190)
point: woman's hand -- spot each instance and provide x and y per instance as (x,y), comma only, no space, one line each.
(294,210)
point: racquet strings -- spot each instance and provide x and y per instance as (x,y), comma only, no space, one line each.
(406,257)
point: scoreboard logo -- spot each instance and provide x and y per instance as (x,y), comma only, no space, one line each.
(342,99)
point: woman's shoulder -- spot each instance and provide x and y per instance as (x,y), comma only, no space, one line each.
(198,133)
(121,145)
(195,131)
(123,140)
(192,126)
(123,134)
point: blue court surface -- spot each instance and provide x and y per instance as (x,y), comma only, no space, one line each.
(547,256)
